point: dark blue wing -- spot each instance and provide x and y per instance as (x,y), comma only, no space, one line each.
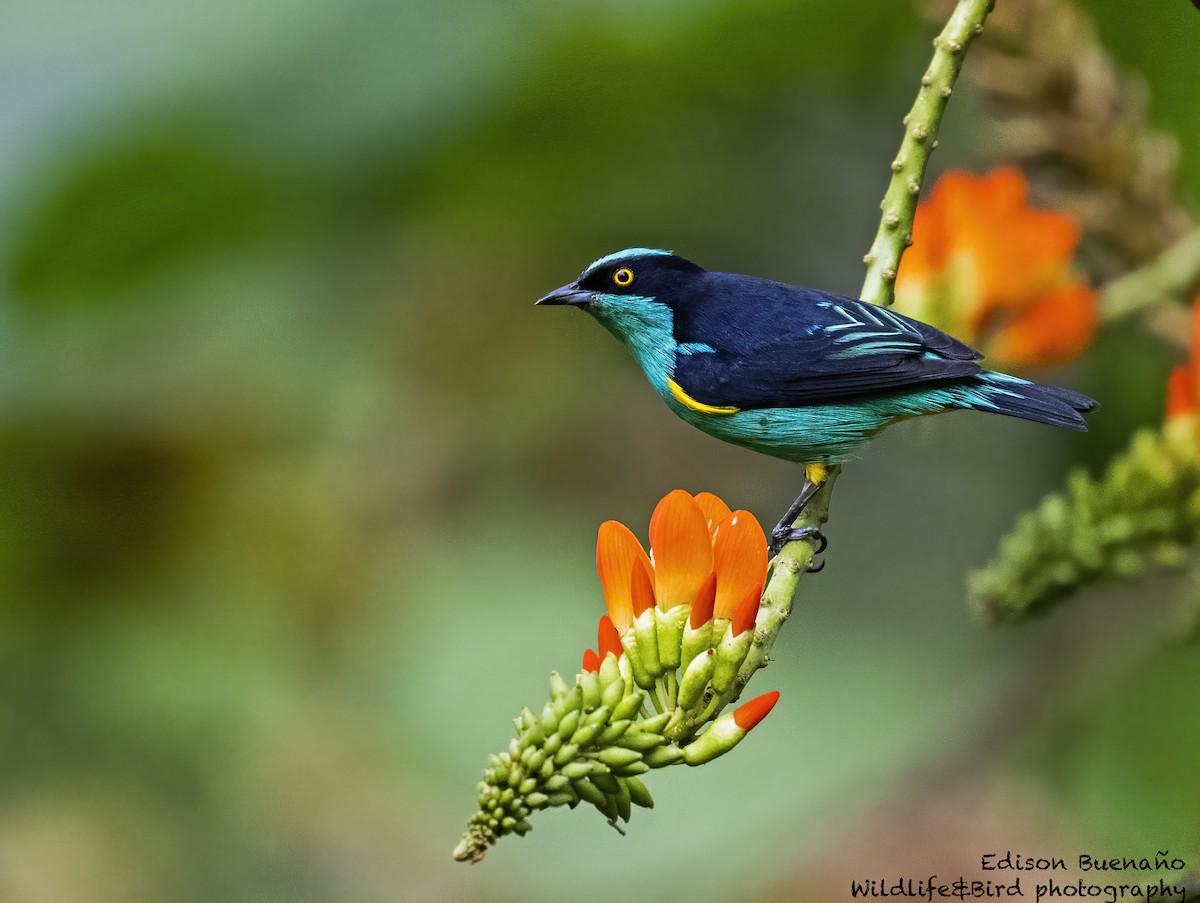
(775,345)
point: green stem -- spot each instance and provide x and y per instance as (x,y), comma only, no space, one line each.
(1171,276)
(920,138)
(893,237)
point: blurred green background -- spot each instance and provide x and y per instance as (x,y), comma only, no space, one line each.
(298,491)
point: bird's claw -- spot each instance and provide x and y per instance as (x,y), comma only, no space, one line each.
(782,535)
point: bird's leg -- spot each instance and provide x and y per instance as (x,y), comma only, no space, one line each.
(784,532)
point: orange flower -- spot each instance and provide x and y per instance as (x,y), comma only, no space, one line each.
(696,544)
(1183,385)
(993,271)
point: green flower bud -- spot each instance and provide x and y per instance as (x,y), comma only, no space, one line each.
(613,693)
(536,800)
(589,793)
(585,735)
(589,682)
(622,800)
(663,756)
(654,725)
(612,733)
(566,754)
(598,718)
(558,686)
(728,657)
(638,670)
(569,724)
(695,641)
(605,783)
(645,632)
(549,721)
(615,756)
(638,794)
(631,769)
(669,629)
(641,740)
(695,679)
(629,706)
(610,670)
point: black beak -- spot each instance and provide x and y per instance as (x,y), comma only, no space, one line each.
(568,294)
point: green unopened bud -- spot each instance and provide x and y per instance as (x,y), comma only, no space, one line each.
(645,631)
(566,754)
(694,642)
(585,735)
(722,736)
(571,701)
(536,800)
(599,717)
(638,794)
(562,798)
(653,725)
(556,782)
(641,740)
(616,756)
(638,671)
(622,800)
(589,682)
(631,769)
(549,720)
(610,670)
(569,724)
(577,771)
(612,733)
(558,686)
(527,786)
(695,679)
(532,736)
(663,756)
(589,793)
(728,658)
(613,693)
(629,706)
(669,628)
(605,783)
(553,742)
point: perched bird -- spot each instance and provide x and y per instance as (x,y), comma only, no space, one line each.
(791,372)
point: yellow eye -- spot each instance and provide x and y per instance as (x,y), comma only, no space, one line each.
(623,276)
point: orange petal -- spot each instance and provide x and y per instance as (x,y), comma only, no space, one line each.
(739,558)
(641,589)
(1181,392)
(748,715)
(1052,329)
(682,548)
(591,661)
(713,509)
(616,551)
(747,611)
(706,598)
(607,639)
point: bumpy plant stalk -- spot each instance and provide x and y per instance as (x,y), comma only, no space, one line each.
(883,261)
(920,138)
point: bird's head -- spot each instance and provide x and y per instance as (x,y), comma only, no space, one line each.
(631,292)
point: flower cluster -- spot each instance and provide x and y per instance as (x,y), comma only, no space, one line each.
(1142,513)
(996,273)
(679,626)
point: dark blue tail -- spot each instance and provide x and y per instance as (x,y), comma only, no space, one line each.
(999,393)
